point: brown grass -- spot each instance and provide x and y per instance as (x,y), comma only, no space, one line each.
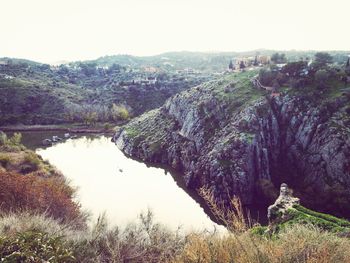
(294,244)
(233,218)
(146,241)
(46,195)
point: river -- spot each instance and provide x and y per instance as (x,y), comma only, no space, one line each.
(109,182)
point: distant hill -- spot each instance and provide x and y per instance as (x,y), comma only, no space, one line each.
(36,93)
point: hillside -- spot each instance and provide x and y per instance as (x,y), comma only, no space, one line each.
(34,93)
(237,139)
(85,91)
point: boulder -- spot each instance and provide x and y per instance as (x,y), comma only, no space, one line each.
(284,202)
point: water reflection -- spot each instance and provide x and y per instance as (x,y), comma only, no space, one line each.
(112,183)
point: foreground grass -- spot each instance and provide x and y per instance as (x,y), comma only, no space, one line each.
(33,238)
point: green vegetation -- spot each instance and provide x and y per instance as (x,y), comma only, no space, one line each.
(33,246)
(29,237)
(119,112)
(301,215)
(278,58)
(4,160)
(29,183)
(237,90)
(83,92)
(318,77)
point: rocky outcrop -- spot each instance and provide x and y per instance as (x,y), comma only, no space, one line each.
(287,211)
(282,205)
(239,141)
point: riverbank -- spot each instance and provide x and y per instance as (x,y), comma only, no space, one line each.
(108,129)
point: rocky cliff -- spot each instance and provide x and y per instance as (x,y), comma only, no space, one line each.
(238,140)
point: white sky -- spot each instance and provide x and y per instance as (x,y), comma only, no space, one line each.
(54,30)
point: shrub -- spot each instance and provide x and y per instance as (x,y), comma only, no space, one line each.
(34,246)
(4,160)
(31,162)
(50,195)
(267,77)
(3,138)
(15,139)
(10,144)
(119,112)
(232,217)
(107,126)
(321,77)
(294,244)
(144,241)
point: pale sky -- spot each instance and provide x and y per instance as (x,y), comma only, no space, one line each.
(55,30)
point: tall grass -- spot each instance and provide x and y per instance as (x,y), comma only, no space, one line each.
(232,217)
(298,243)
(147,241)
(44,195)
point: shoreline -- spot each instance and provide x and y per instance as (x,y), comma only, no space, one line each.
(72,129)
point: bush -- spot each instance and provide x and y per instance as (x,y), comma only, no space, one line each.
(119,112)
(144,241)
(267,77)
(10,144)
(47,195)
(3,138)
(33,246)
(4,160)
(321,77)
(31,163)
(15,139)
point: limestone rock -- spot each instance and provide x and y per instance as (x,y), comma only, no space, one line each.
(240,142)
(284,202)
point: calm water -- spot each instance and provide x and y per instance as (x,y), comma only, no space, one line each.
(109,182)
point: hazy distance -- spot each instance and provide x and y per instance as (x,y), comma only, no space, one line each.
(58,30)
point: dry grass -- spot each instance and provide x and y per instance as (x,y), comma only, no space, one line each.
(146,241)
(233,218)
(43,195)
(294,244)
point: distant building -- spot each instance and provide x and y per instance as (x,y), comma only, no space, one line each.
(150,69)
(264,59)
(250,61)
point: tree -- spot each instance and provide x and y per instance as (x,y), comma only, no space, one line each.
(230,66)
(255,61)
(119,112)
(90,118)
(348,63)
(16,138)
(321,77)
(278,58)
(88,69)
(114,68)
(295,69)
(283,58)
(241,65)
(323,58)
(267,77)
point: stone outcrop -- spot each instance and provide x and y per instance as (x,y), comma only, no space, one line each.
(234,139)
(283,203)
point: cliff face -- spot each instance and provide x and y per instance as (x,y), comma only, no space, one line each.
(231,137)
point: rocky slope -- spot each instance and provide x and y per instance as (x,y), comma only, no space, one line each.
(238,140)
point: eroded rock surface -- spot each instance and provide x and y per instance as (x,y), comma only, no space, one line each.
(239,141)
(283,203)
